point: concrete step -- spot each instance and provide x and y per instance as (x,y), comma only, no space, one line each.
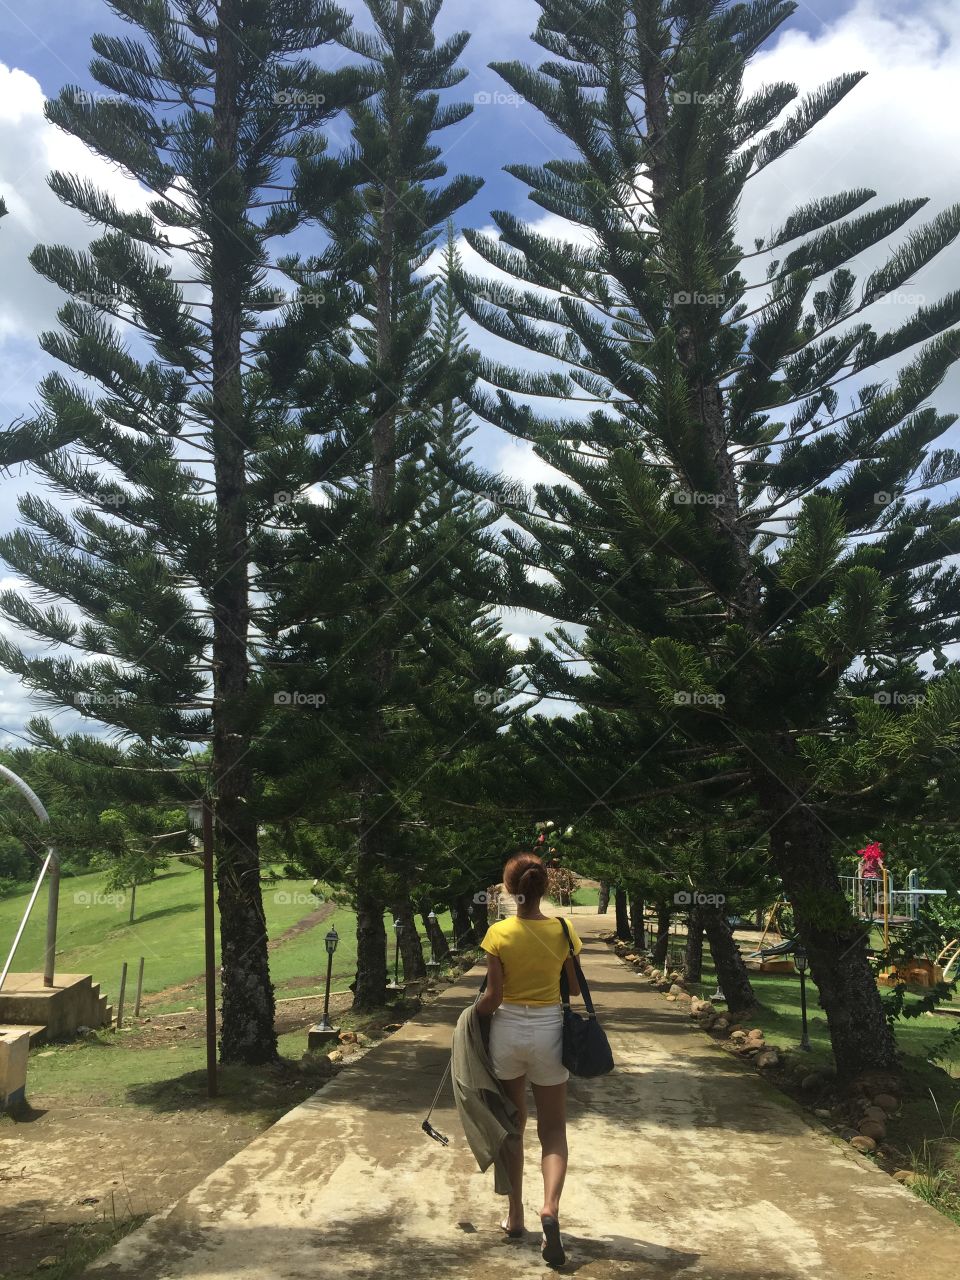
(73,1001)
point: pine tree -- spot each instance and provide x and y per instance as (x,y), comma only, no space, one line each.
(739,544)
(210,105)
(358,618)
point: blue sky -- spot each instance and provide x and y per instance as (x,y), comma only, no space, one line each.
(899,133)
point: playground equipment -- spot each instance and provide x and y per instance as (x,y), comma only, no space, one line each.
(777,957)
(47,1005)
(949,959)
(51,864)
(875,899)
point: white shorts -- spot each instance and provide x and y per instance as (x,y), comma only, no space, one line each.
(527,1040)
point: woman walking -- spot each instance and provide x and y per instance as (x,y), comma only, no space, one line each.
(525,956)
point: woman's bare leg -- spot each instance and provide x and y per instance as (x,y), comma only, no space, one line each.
(516,1091)
(551,1102)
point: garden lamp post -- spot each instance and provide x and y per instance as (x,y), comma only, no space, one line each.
(330,941)
(395,984)
(433,964)
(324,1033)
(200,816)
(800,959)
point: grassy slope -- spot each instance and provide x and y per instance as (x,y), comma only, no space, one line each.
(95,936)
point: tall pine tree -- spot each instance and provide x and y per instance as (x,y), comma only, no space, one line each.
(209,105)
(738,541)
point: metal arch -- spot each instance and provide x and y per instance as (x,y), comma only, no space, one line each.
(52,864)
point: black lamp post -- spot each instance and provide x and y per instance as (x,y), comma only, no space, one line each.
(800,959)
(323,1032)
(433,964)
(330,941)
(395,984)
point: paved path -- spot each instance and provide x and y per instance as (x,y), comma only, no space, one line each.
(683,1164)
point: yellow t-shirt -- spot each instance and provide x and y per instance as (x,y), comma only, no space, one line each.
(532,953)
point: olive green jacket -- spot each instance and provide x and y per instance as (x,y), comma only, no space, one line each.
(488,1116)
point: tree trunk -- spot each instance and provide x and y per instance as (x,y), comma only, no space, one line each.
(693,956)
(623,917)
(636,921)
(835,941)
(662,945)
(370,985)
(481,921)
(462,926)
(133,901)
(411,950)
(438,939)
(603,898)
(247,1028)
(732,976)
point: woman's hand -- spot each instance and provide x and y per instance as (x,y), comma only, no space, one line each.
(492,998)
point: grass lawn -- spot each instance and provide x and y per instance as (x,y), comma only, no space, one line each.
(95,936)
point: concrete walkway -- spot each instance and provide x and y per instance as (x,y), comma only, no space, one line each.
(684,1163)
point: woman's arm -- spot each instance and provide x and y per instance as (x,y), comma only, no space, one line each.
(492,998)
(570,970)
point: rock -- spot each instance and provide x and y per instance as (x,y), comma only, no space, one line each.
(906,1176)
(873,1129)
(706,1007)
(362,1040)
(767,1059)
(755,1033)
(863,1143)
(720,1024)
(347,1037)
(875,1113)
(677,990)
(663,985)
(392,1026)
(336,1055)
(49,1261)
(812,1082)
(670,997)
(630,957)
(738,1037)
(887,1103)
(823,1113)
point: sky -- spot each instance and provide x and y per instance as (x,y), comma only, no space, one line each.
(898,133)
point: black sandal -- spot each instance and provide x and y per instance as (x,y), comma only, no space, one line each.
(515,1233)
(552,1251)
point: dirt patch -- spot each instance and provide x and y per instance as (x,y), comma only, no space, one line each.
(310,921)
(68,1168)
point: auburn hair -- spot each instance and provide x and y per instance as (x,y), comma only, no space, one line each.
(525,876)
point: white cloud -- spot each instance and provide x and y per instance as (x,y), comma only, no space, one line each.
(30,149)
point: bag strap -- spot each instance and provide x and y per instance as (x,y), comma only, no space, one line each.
(564,981)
